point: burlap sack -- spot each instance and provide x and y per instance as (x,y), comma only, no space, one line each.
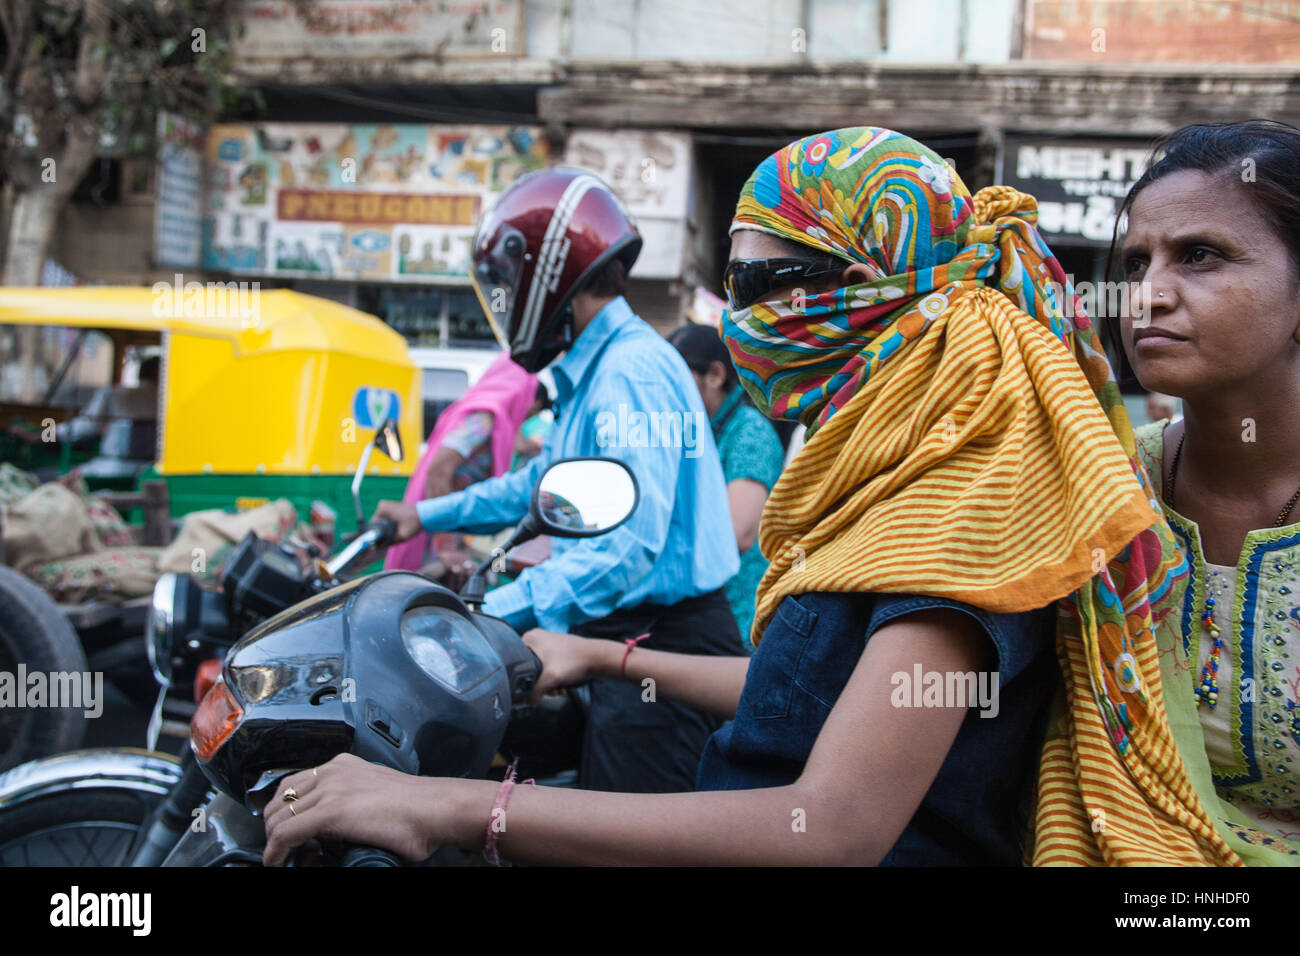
(207,536)
(113,575)
(48,524)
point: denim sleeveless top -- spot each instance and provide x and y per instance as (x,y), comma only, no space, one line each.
(974,812)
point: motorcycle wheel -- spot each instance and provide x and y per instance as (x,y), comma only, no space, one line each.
(35,633)
(80,827)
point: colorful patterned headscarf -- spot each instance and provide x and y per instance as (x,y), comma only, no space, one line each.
(967,440)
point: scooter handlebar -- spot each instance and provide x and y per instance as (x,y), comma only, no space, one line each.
(369,856)
(385,531)
(378,533)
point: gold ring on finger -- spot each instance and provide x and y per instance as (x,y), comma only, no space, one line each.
(290,795)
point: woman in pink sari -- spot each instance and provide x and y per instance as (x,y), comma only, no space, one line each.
(474,439)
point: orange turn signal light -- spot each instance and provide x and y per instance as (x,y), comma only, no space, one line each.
(208,673)
(215,720)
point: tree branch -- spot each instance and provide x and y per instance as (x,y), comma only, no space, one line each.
(92,56)
(16,22)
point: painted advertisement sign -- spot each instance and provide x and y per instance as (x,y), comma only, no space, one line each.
(361,29)
(384,202)
(651,171)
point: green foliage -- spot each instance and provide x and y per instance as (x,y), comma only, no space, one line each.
(146,62)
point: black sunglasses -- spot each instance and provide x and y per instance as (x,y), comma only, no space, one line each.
(748,280)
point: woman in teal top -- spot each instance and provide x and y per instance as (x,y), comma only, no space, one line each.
(751,454)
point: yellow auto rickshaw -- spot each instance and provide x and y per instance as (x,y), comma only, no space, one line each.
(258,394)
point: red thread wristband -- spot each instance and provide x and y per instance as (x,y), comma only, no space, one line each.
(631,642)
(503,794)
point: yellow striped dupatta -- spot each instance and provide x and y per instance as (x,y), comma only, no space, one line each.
(967,440)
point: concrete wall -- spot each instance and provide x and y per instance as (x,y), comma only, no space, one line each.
(662,304)
(110,243)
(720,31)
(774,31)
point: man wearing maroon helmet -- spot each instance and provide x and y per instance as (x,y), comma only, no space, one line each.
(550,264)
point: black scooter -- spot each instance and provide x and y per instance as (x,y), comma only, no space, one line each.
(392,668)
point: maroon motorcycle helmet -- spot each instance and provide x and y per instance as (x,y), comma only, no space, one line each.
(542,243)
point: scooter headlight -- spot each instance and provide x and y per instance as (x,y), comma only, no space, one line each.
(160,628)
(448,648)
(186,624)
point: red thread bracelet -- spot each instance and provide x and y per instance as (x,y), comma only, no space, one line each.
(503,794)
(631,642)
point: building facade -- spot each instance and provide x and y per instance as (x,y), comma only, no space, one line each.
(389,127)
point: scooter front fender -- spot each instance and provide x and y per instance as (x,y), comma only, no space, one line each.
(129,768)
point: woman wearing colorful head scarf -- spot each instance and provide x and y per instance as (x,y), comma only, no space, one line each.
(968,502)
(474,439)
(1217,220)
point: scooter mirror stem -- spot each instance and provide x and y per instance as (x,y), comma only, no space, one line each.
(473,591)
(356,484)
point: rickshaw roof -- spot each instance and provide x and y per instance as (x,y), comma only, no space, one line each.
(281,319)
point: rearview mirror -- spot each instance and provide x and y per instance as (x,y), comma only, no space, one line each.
(584,497)
(389,440)
(574,498)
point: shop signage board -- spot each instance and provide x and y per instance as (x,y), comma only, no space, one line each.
(376,202)
(178,211)
(1079,183)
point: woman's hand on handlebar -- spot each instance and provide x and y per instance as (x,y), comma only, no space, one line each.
(567,659)
(354,801)
(403,515)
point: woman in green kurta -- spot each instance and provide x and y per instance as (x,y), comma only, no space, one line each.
(751,456)
(1217,324)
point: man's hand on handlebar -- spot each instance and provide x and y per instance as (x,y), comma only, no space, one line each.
(567,659)
(403,515)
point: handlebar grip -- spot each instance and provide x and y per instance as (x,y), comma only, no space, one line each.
(368,856)
(385,529)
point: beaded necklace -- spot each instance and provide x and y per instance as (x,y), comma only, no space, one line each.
(1207,688)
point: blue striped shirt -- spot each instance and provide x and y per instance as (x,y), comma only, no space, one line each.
(624,393)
